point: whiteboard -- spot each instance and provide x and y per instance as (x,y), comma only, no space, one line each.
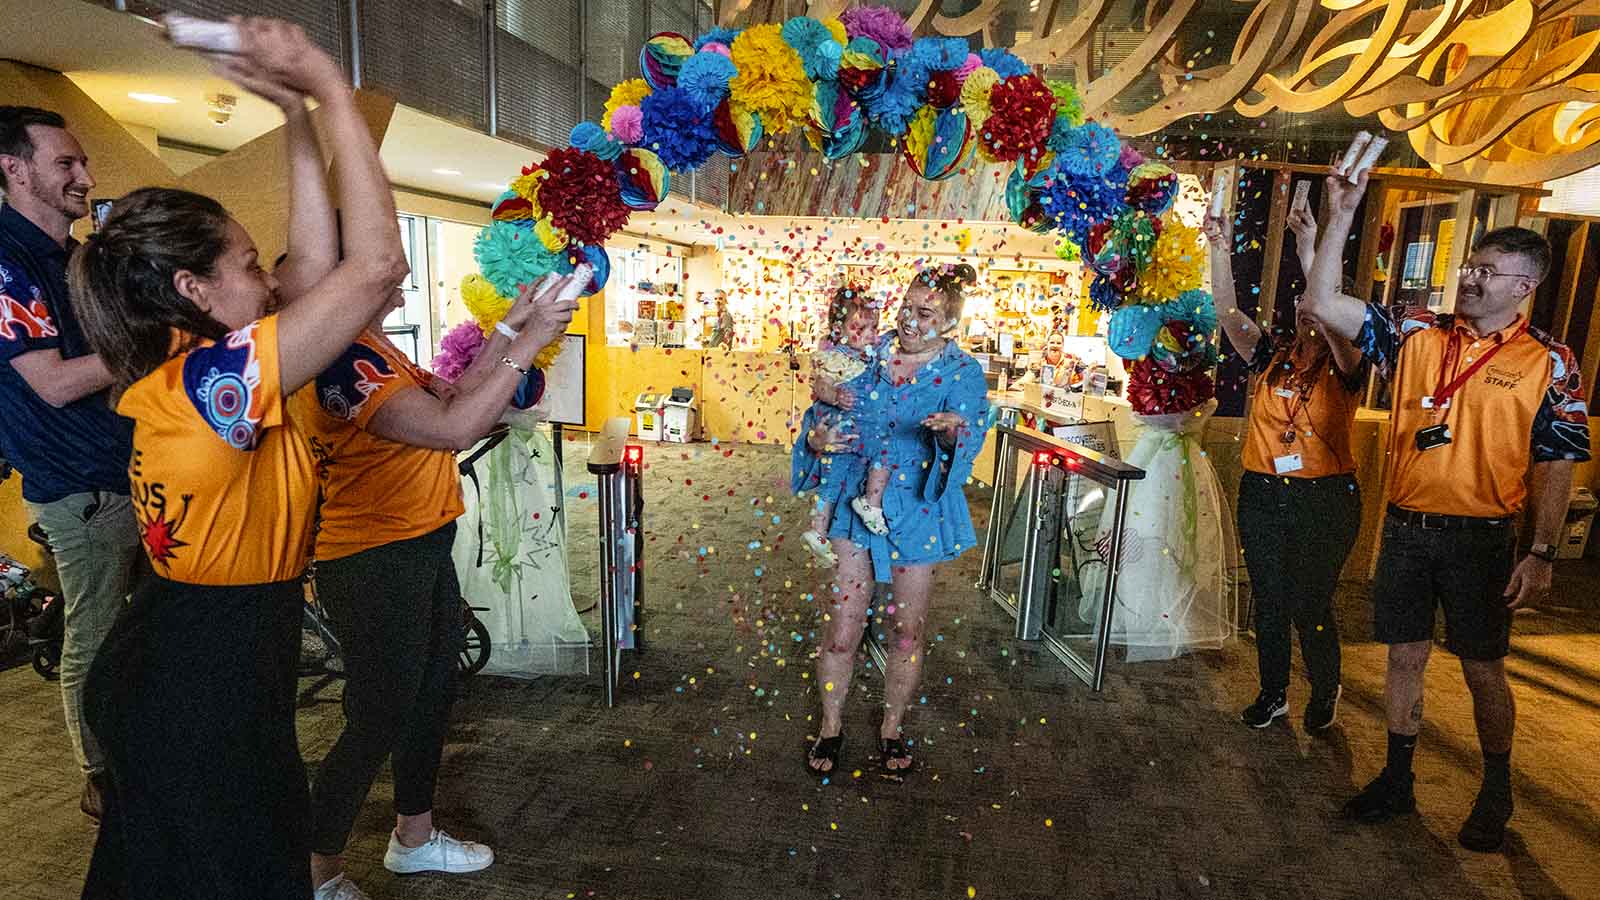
(563,399)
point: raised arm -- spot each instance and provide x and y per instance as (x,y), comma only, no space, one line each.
(327,318)
(313,228)
(1341,314)
(418,418)
(1242,333)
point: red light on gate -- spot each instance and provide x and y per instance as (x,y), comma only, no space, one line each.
(634,453)
(1043,458)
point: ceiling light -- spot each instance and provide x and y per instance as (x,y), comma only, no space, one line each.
(447,171)
(151,98)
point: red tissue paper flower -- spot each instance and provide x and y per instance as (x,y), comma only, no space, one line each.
(1154,392)
(1023,110)
(582,196)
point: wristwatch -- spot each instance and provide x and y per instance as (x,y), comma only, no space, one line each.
(1546,552)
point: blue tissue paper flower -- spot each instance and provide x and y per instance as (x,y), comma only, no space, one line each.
(592,138)
(1004,62)
(819,51)
(705,76)
(936,54)
(678,129)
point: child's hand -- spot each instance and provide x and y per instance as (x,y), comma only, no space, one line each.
(844,398)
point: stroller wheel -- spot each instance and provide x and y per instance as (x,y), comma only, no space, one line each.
(44,664)
(474,646)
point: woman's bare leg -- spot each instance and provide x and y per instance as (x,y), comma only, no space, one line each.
(907,610)
(844,617)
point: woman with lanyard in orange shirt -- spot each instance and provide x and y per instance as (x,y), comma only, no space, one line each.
(193,693)
(384,433)
(1299,505)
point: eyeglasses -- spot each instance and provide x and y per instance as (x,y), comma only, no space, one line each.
(1473,273)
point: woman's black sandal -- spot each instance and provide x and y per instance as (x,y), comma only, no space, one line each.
(894,748)
(827,748)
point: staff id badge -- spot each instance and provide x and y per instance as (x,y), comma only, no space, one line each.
(1285,393)
(1429,403)
(1287,463)
(1433,436)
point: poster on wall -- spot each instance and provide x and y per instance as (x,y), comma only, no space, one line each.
(564,384)
(1447,234)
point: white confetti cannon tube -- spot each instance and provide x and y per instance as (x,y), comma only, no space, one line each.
(584,273)
(1353,153)
(1219,193)
(202,34)
(1302,195)
(1369,158)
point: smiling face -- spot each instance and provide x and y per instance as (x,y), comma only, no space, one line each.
(1511,277)
(922,318)
(1052,348)
(55,180)
(239,291)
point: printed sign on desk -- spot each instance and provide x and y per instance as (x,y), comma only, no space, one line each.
(1101,437)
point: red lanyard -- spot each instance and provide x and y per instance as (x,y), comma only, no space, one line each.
(1444,391)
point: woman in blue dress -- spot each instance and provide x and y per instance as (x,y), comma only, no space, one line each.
(923,418)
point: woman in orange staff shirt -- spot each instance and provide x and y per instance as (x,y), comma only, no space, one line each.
(193,693)
(1299,505)
(383,432)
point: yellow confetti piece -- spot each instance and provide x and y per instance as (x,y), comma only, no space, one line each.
(1049,823)
(972,891)
(833,826)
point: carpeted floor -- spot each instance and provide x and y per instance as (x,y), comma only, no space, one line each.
(1031,785)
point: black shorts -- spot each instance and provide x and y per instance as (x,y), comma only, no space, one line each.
(1464,570)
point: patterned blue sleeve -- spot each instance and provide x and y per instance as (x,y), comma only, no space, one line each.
(25,321)
(1385,329)
(345,389)
(233,384)
(969,398)
(1561,426)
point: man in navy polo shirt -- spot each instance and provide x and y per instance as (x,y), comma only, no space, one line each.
(56,423)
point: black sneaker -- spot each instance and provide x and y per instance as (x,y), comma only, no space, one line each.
(1323,710)
(1382,800)
(1485,829)
(1268,706)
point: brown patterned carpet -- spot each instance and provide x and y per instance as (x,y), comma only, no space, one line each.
(1031,785)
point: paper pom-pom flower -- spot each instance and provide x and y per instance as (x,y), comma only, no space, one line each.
(973,63)
(1178,264)
(1153,392)
(881,24)
(1152,187)
(642,179)
(862,69)
(628,93)
(718,35)
(486,305)
(841,125)
(678,129)
(550,236)
(1195,307)
(1027,199)
(1132,330)
(599,264)
(1180,347)
(939,54)
(627,124)
(1131,158)
(591,138)
(1069,103)
(457,349)
(938,142)
(1022,110)
(1068,251)
(975,95)
(510,255)
(1103,295)
(514,206)
(820,50)
(1008,64)
(891,110)
(1077,203)
(582,196)
(772,80)
(738,129)
(705,78)
(1091,151)
(662,56)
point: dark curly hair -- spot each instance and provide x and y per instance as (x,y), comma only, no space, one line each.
(950,282)
(121,279)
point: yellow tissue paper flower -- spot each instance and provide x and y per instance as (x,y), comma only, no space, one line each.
(975,95)
(836,27)
(628,93)
(550,236)
(772,80)
(483,301)
(548,355)
(1177,265)
(527,187)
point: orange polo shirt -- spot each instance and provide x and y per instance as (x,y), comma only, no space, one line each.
(1317,408)
(1525,405)
(224,483)
(374,491)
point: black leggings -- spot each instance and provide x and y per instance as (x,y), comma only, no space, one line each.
(1296,533)
(192,696)
(397,613)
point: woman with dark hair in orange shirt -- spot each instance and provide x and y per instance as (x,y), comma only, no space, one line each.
(384,432)
(193,694)
(1299,505)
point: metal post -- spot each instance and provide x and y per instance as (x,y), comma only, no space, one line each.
(1001,482)
(491,66)
(631,542)
(1108,603)
(353,13)
(607,496)
(1038,549)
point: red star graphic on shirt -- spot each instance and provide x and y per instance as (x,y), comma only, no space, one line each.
(160,540)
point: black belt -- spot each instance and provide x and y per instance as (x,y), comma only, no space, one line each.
(1441,522)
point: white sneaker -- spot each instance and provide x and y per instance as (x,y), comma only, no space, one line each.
(442,853)
(871,516)
(820,548)
(340,888)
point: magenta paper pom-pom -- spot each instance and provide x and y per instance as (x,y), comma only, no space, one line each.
(627,124)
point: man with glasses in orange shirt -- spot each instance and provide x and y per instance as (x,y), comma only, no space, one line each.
(1480,398)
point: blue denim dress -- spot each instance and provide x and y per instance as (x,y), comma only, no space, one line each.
(924,503)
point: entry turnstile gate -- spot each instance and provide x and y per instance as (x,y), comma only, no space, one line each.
(619,467)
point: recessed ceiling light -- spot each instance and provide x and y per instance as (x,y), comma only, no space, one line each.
(151,98)
(447,171)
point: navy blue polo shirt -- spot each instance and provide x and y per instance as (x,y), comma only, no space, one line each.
(83,446)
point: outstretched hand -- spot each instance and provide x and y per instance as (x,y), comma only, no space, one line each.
(1344,197)
(1304,227)
(278,62)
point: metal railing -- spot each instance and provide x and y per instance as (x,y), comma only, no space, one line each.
(1053,546)
(619,468)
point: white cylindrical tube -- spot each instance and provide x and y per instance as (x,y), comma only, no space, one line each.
(1370,157)
(1302,195)
(1353,152)
(202,34)
(582,275)
(1219,192)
